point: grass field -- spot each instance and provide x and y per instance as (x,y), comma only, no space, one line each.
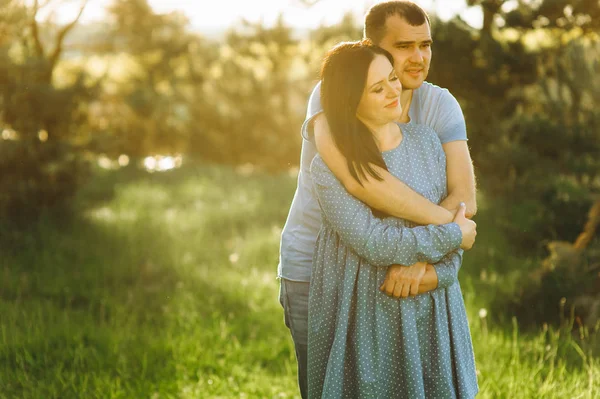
(164,287)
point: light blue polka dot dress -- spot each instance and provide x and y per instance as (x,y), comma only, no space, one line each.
(362,343)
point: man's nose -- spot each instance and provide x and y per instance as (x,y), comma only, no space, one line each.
(417,55)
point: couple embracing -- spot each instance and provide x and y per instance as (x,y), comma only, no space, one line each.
(374,239)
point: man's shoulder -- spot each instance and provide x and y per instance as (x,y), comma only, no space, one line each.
(430,91)
(436,100)
(436,107)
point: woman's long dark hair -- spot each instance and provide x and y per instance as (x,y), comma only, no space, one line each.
(343,78)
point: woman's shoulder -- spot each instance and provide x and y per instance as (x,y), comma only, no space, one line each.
(422,136)
(418,131)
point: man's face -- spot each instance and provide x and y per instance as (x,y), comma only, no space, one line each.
(411,48)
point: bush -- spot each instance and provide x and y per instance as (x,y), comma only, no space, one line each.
(42,176)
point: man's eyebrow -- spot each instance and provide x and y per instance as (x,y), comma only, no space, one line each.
(407,42)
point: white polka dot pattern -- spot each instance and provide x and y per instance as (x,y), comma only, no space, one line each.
(362,343)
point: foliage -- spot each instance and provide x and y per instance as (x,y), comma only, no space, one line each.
(254,99)
(146,107)
(528,82)
(41,123)
(535,137)
(564,288)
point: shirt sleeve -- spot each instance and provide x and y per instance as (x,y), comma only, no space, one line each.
(379,243)
(447,269)
(314,108)
(449,122)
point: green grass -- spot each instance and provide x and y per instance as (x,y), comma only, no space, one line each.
(164,287)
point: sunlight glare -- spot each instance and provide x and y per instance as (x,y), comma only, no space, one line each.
(105,162)
(103,213)
(234,257)
(123,160)
(63,12)
(166,163)
(245,170)
(161,163)
(150,164)
(9,134)
(43,135)
(229,13)
(293,172)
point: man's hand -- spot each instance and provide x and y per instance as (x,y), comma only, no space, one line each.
(402,281)
(452,204)
(467,227)
(429,281)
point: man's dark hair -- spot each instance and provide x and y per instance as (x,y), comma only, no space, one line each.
(377,16)
(343,79)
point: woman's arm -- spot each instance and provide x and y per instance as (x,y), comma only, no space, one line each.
(404,281)
(442,274)
(379,243)
(389,195)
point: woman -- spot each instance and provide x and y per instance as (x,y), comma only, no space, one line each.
(363,343)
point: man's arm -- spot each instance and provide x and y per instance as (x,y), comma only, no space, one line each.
(461,177)
(389,195)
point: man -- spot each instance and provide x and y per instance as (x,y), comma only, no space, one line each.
(403,29)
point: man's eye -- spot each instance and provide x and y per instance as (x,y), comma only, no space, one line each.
(378,90)
(426,45)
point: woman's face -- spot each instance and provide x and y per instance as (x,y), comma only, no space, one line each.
(380,101)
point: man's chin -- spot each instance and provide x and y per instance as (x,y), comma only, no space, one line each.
(412,84)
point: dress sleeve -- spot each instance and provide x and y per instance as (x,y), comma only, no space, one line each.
(447,269)
(379,243)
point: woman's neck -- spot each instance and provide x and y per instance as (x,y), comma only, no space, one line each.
(405,101)
(386,136)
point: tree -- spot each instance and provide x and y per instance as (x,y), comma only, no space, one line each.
(256,86)
(527,82)
(42,120)
(148,110)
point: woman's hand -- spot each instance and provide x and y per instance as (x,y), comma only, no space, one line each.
(467,227)
(402,281)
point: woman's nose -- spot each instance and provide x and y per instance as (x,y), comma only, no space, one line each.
(393,90)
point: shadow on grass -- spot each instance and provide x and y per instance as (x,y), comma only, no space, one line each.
(82,309)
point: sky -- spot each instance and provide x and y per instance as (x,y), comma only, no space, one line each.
(210,15)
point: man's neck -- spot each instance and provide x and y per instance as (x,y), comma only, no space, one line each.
(405,101)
